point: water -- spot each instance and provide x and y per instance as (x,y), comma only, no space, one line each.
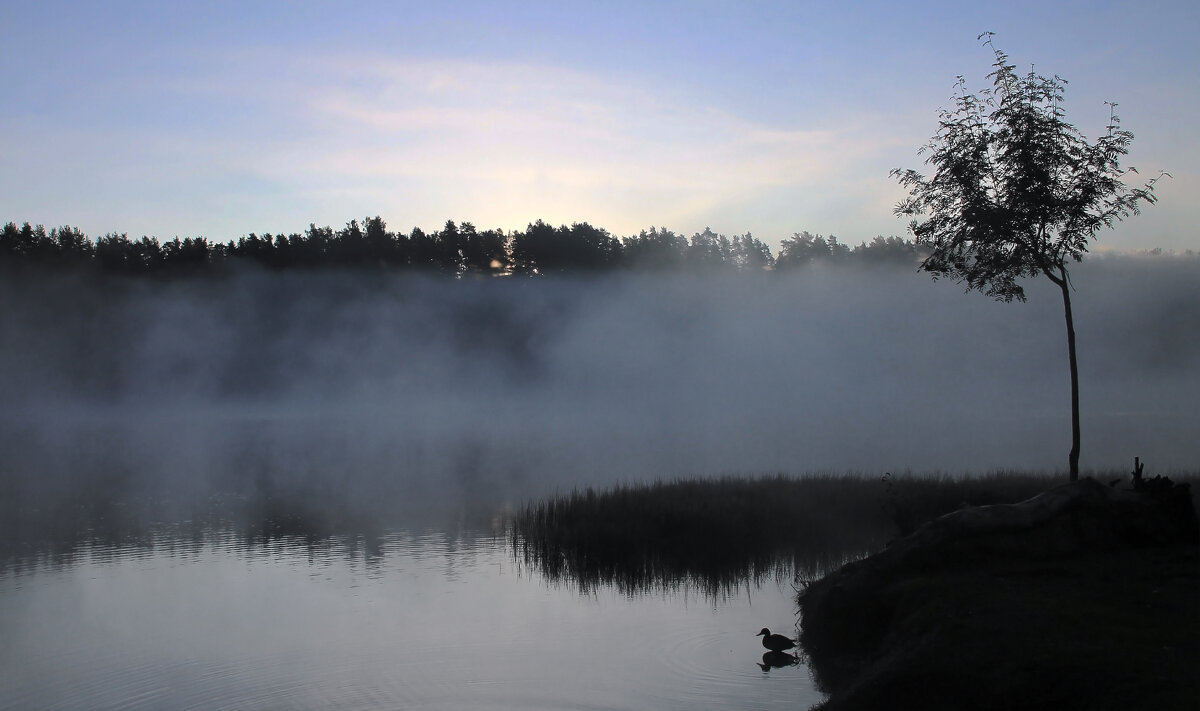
(229,493)
(202,616)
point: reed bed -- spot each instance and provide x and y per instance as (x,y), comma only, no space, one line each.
(719,533)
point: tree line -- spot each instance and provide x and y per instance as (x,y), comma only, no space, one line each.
(457,249)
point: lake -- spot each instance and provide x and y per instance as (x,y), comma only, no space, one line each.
(199,614)
(287,490)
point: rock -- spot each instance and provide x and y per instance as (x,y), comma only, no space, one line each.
(867,616)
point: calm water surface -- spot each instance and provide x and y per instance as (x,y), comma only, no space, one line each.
(443,617)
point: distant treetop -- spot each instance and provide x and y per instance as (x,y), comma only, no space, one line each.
(458,249)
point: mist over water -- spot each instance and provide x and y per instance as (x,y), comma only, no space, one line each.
(282,488)
(383,389)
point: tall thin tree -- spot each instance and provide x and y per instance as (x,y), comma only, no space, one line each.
(1018,192)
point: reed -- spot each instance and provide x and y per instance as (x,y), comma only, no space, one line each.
(719,533)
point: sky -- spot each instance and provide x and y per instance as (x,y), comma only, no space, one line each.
(219,119)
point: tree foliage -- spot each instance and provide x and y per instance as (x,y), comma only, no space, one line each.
(457,250)
(1016,191)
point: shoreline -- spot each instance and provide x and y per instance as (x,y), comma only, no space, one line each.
(1067,613)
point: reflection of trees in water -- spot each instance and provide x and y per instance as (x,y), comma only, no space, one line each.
(716,535)
(81,524)
(58,537)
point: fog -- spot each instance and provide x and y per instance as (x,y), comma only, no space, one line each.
(397,389)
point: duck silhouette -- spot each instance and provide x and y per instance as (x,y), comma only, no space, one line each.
(775,642)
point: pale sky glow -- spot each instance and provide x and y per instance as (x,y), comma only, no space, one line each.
(764,117)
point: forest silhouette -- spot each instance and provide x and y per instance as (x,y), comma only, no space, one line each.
(458,249)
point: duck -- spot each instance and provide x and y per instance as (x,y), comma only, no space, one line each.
(775,642)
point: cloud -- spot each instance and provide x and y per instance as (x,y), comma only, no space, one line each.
(508,142)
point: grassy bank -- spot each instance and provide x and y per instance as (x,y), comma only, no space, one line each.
(1085,598)
(1113,630)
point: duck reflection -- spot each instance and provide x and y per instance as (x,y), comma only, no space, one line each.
(778,660)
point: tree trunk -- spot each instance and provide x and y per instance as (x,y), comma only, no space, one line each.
(1073,457)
